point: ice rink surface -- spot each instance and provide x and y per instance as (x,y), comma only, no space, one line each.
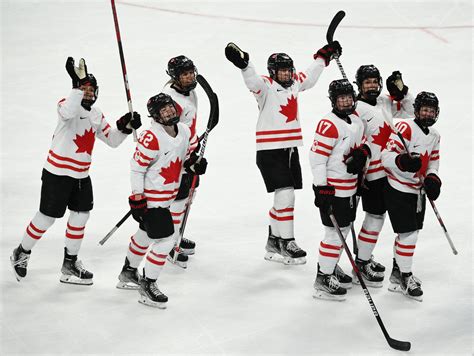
(229,301)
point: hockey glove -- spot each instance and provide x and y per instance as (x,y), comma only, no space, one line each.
(328,52)
(126,119)
(324,196)
(432,185)
(195,166)
(357,158)
(234,54)
(76,73)
(137,204)
(407,163)
(396,87)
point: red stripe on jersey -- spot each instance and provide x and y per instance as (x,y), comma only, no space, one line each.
(378,169)
(323,153)
(256,92)
(151,191)
(276,132)
(411,185)
(74,228)
(277,139)
(327,254)
(106,127)
(176,222)
(331,247)
(280,218)
(343,187)
(65,166)
(340,180)
(434,158)
(142,164)
(178,214)
(373,163)
(319,143)
(144,156)
(161,199)
(67,159)
(36,229)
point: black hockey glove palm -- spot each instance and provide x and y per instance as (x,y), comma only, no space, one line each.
(432,185)
(396,87)
(324,196)
(195,166)
(238,57)
(77,74)
(356,160)
(328,52)
(138,206)
(407,163)
(126,119)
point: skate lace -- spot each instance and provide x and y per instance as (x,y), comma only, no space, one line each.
(339,272)
(154,289)
(293,247)
(413,283)
(368,269)
(185,240)
(22,260)
(80,267)
(333,282)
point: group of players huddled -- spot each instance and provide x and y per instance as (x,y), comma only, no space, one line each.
(356,153)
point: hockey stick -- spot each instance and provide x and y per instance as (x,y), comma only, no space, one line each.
(111,232)
(124,68)
(435,210)
(336,20)
(212,122)
(395,344)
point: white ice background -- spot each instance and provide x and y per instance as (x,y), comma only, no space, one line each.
(229,300)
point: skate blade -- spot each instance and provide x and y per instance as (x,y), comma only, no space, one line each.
(17,276)
(127,285)
(70,279)
(396,288)
(371,284)
(183,265)
(187,251)
(294,261)
(273,257)
(145,301)
(319,294)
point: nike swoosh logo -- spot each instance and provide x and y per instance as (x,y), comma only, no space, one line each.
(368,120)
(415,146)
(82,118)
(279,89)
(344,138)
(167,153)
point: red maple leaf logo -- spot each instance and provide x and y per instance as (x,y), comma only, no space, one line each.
(171,173)
(425,159)
(382,137)
(290,110)
(85,143)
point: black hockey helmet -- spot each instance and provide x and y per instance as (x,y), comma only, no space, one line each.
(89,80)
(369,71)
(426,99)
(158,102)
(341,87)
(280,61)
(177,66)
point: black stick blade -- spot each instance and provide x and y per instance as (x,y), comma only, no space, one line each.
(214,102)
(333,25)
(399,345)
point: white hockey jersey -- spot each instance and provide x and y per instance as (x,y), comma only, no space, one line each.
(379,117)
(426,145)
(187,110)
(278,125)
(333,141)
(73,140)
(156,166)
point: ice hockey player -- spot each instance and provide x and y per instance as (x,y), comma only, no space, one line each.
(278,136)
(337,156)
(65,178)
(411,175)
(181,88)
(377,111)
(156,171)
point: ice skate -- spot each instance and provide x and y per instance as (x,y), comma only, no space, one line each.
(409,285)
(181,259)
(150,294)
(273,248)
(129,278)
(19,260)
(376,266)
(344,279)
(371,277)
(291,252)
(73,272)
(326,286)
(187,246)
